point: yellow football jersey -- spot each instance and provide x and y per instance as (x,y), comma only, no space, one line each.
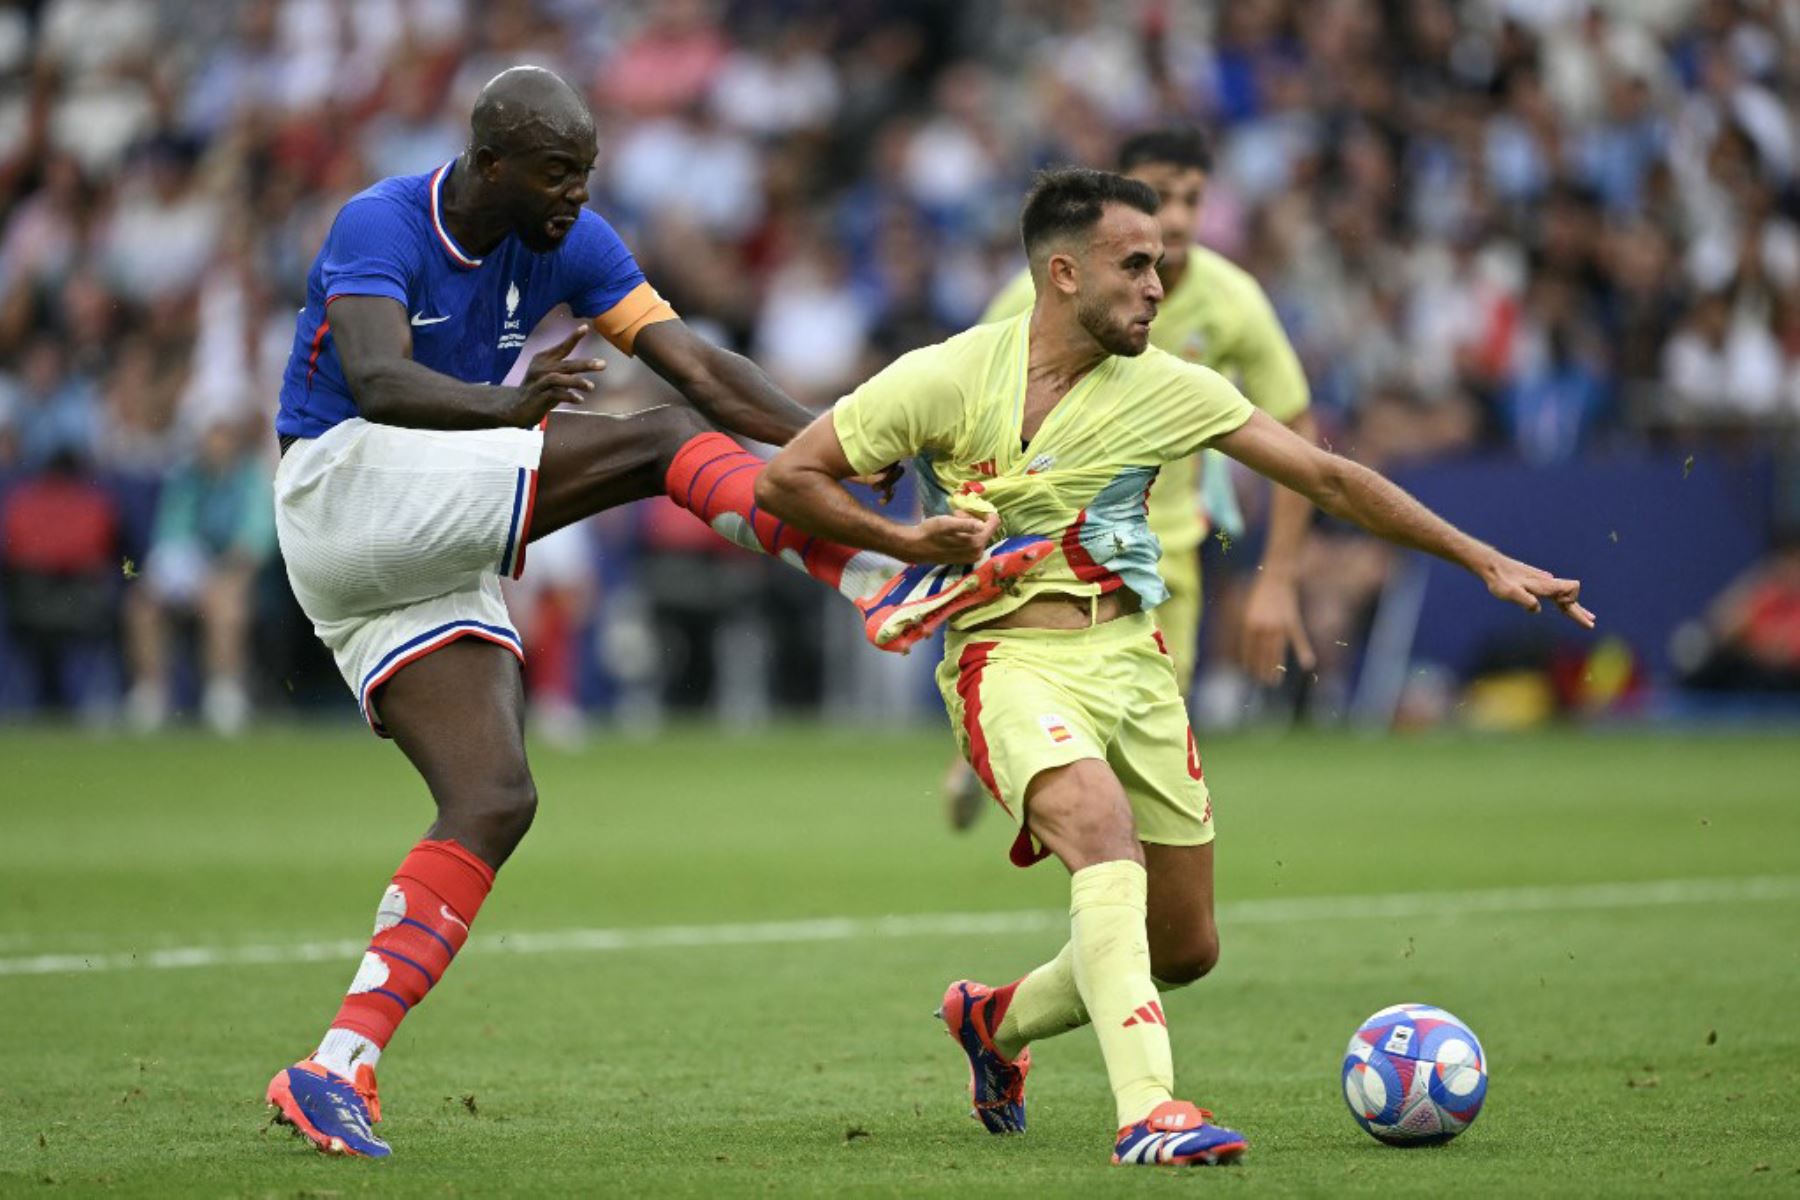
(956,409)
(1218,316)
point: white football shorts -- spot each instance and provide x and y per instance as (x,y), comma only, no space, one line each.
(395,540)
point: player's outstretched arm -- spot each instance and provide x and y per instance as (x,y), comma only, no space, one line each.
(727,388)
(803,485)
(374,344)
(1355,493)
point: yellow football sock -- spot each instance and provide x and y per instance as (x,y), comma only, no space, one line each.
(1111,961)
(1045,1003)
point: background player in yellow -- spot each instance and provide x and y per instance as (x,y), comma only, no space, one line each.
(1054,424)
(1216,314)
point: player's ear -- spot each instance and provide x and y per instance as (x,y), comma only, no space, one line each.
(486,161)
(1064,273)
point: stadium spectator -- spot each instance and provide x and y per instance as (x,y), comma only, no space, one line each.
(813,329)
(1723,365)
(781,82)
(162,228)
(50,409)
(138,435)
(669,64)
(1559,396)
(215,528)
(59,579)
(1750,636)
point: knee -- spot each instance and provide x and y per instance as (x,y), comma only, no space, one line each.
(1188,962)
(674,426)
(1080,812)
(494,816)
(512,805)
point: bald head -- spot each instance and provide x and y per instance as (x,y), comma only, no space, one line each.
(523,109)
(531,149)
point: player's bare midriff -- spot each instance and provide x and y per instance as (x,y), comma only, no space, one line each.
(1060,610)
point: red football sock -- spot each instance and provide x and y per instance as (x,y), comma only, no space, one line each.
(713,478)
(423,921)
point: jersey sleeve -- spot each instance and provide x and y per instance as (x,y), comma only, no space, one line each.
(372,250)
(1192,405)
(1266,363)
(1013,299)
(604,284)
(910,406)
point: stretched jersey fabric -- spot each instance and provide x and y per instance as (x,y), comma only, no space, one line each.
(1217,316)
(956,409)
(470,316)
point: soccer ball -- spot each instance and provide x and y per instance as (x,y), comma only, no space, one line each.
(1414,1076)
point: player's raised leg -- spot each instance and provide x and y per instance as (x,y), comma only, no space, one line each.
(593,462)
(458,714)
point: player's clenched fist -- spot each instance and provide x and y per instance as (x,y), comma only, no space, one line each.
(957,538)
(553,378)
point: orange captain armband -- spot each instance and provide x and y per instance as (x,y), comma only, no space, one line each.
(621,323)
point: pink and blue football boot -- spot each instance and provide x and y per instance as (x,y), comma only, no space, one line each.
(922,599)
(996,1083)
(1176,1134)
(328,1110)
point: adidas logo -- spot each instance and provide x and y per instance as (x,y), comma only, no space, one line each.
(1147,1014)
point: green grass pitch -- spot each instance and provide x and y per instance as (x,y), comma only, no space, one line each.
(1644,1039)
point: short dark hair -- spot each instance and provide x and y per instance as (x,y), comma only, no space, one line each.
(1176,145)
(1065,200)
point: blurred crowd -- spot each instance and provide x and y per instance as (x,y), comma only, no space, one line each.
(1535,228)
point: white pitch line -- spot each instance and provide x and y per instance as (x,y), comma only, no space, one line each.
(1649,893)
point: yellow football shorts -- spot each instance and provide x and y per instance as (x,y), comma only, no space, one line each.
(1179,616)
(1024,701)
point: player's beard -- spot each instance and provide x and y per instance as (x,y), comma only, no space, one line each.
(1115,335)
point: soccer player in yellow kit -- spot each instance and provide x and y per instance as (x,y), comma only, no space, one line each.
(1216,314)
(1056,423)
(1213,313)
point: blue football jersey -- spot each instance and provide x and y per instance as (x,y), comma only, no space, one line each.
(469,315)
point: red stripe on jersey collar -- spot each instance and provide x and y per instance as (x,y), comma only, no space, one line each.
(457,255)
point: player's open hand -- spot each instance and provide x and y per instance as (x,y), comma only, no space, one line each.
(1271,625)
(957,538)
(1528,587)
(554,378)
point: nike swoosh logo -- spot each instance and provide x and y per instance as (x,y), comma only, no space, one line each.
(444,910)
(422,319)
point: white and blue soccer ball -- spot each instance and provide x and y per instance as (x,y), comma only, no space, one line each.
(1414,1075)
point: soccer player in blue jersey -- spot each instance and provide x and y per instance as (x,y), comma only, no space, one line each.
(410,480)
